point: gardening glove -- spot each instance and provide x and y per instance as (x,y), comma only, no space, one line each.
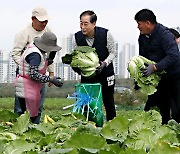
(149,69)
(100,68)
(56,81)
(50,61)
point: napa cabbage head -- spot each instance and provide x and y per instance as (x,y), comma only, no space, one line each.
(147,84)
(84,58)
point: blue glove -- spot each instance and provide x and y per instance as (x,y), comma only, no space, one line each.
(100,68)
(56,81)
(148,70)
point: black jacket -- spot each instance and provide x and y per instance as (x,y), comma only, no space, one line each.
(100,44)
(160,46)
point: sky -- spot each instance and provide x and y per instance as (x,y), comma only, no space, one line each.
(115,15)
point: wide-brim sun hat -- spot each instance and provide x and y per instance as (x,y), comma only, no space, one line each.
(47,42)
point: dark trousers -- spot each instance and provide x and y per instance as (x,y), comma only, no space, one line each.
(108,84)
(174,98)
(22,104)
(108,100)
(166,98)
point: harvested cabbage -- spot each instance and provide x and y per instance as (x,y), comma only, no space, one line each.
(147,84)
(84,58)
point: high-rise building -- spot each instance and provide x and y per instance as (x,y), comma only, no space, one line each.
(1,66)
(11,74)
(116,60)
(120,65)
(126,55)
(128,51)
(59,67)
(132,51)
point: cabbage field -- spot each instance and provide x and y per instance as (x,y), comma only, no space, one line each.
(131,132)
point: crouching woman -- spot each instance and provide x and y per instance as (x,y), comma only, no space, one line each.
(32,72)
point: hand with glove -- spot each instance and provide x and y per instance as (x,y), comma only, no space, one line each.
(56,81)
(100,68)
(150,68)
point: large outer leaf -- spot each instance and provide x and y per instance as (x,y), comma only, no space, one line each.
(116,130)
(150,119)
(2,145)
(46,128)
(163,130)
(147,89)
(63,151)
(6,115)
(8,136)
(19,146)
(142,131)
(33,134)
(90,142)
(89,129)
(164,148)
(145,139)
(22,123)
(133,151)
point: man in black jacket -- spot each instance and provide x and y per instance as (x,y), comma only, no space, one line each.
(158,44)
(102,40)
